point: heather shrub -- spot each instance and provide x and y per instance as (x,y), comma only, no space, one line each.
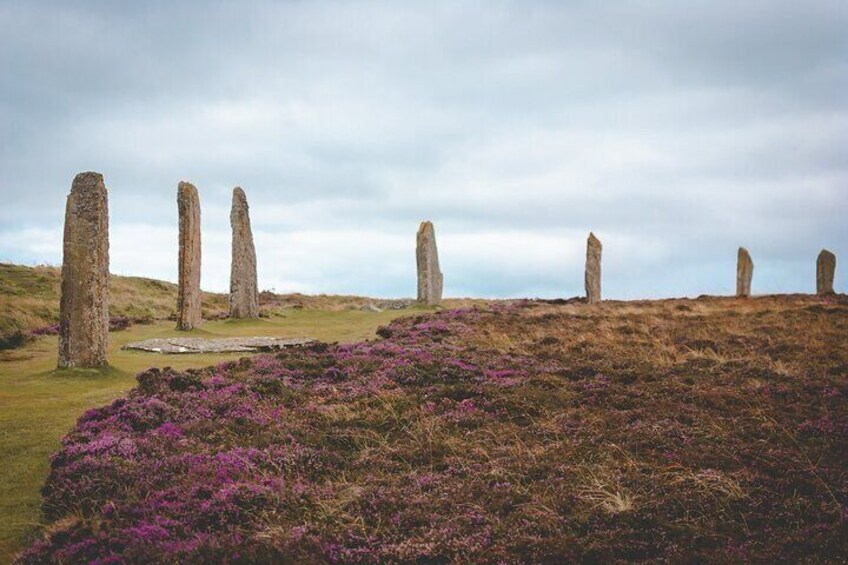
(511,434)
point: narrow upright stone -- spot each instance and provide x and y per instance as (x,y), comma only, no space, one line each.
(825,269)
(244,293)
(430,278)
(84,306)
(189,313)
(744,273)
(593,269)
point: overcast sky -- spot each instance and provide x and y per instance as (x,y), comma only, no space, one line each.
(676,131)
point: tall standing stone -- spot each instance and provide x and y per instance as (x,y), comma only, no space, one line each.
(825,269)
(744,273)
(84,306)
(430,277)
(593,269)
(189,313)
(244,293)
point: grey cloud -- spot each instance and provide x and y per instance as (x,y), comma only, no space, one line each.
(702,127)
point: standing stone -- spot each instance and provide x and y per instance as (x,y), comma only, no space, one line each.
(244,293)
(189,313)
(593,269)
(825,269)
(744,273)
(84,306)
(430,278)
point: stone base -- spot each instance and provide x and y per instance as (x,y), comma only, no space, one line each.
(222,345)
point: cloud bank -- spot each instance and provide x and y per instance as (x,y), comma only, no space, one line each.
(675,132)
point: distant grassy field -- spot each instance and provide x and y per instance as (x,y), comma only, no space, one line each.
(38,405)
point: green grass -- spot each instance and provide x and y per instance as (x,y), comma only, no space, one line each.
(39,404)
(29,298)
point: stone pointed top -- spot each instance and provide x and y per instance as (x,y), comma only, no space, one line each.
(185,187)
(88,181)
(239,195)
(827,253)
(594,239)
(239,213)
(743,255)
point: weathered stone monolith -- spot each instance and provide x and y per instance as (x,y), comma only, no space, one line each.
(744,273)
(244,293)
(825,269)
(430,278)
(593,269)
(189,313)
(84,306)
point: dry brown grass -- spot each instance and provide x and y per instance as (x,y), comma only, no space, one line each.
(665,333)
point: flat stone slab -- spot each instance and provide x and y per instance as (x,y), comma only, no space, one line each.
(221,345)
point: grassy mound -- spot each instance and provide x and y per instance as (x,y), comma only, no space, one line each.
(29,301)
(709,430)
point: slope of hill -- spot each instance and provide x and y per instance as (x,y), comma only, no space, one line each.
(29,300)
(710,430)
